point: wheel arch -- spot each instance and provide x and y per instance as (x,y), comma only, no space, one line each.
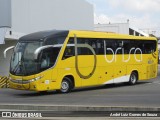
(71,78)
(135,71)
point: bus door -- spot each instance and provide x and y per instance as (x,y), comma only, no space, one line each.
(47,60)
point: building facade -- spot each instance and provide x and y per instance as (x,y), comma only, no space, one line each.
(122,28)
(21,17)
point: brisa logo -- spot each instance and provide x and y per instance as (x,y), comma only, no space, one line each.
(113,59)
(114,54)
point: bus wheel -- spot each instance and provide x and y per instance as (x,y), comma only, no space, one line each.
(66,85)
(133,78)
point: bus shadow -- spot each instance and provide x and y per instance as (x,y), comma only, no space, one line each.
(35,94)
(109,86)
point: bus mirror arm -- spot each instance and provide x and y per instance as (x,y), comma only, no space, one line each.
(5,51)
(38,50)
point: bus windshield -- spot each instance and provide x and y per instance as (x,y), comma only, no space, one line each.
(23,62)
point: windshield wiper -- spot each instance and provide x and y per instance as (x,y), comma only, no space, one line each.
(16,67)
(23,64)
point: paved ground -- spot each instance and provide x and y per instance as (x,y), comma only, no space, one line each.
(145,93)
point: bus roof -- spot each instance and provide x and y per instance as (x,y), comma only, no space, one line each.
(44,34)
(79,33)
(100,34)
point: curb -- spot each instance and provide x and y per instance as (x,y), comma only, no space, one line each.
(75,108)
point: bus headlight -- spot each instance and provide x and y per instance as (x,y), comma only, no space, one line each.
(35,79)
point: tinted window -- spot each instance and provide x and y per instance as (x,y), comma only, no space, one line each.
(149,47)
(117,45)
(69,50)
(48,57)
(54,40)
(96,44)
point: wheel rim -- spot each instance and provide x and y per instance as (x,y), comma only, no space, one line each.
(133,78)
(64,86)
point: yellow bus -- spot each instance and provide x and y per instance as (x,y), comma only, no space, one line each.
(64,60)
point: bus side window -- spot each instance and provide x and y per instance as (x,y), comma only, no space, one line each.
(84,50)
(111,45)
(44,62)
(100,47)
(69,52)
(126,46)
(48,57)
(150,46)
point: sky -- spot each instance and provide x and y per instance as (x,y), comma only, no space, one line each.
(142,14)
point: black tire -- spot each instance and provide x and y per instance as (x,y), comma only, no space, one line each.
(133,78)
(66,85)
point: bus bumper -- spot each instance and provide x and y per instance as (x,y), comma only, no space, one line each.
(22,86)
(39,85)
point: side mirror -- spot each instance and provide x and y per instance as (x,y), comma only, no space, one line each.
(38,50)
(5,51)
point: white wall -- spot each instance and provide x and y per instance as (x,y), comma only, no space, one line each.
(5,13)
(5,18)
(5,62)
(35,15)
(29,16)
(122,28)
